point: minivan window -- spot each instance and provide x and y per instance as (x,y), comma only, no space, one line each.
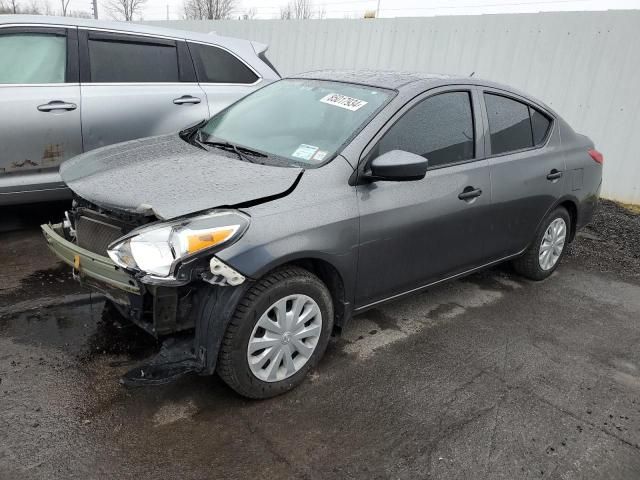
(303,121)
(132,62)
(439,128)
(28,58)
(215,65)
(509,124)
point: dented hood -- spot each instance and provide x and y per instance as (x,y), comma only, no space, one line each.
(169,177)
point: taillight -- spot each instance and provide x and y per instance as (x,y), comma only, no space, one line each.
(596,155)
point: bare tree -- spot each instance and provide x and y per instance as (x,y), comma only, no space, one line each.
(209,9)
(65,6)
(34,8)
(13,4)
(298,10)
(249,14)
(286,13)
(126,9)
(47,8)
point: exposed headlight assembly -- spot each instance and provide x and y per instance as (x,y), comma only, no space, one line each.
(157,249)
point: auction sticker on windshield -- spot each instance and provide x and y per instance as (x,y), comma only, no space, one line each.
(305,152)
(343,101)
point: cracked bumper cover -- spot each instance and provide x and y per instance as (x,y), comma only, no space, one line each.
(100,271)
(207,309)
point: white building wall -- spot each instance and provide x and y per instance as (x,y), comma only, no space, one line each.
(585,65)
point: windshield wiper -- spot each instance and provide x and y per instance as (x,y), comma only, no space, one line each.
(189,134)
(242,152)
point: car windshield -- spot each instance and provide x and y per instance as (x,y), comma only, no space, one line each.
(304,121)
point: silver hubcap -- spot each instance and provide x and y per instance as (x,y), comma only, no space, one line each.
(284,338)
(552,244)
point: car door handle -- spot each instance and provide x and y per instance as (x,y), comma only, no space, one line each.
(186,99)
(57,105)
(554,174)
(470,193)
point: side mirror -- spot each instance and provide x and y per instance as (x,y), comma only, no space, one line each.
(398,166)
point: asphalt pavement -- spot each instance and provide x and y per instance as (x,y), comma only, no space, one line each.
(491,376)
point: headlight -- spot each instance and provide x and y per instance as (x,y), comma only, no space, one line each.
(154,250)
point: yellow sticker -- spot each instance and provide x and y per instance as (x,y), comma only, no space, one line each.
(76,262)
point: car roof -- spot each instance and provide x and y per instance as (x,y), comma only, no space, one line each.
(373,78)
(410,82)
(126,27)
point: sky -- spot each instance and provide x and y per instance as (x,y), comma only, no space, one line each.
(158,9)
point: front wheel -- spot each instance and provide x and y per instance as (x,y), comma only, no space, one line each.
(279,331)
(543,256)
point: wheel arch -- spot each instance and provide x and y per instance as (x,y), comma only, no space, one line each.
(570,205)
(330,275)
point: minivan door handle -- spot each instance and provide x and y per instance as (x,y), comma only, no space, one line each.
(57,105)
(554,175)
(186,99)
(469,193)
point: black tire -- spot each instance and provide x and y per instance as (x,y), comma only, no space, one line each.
(528,265)
(233,366)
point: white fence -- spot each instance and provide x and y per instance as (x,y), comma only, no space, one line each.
(586,65)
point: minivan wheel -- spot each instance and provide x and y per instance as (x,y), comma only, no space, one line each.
(543,256)
(279,331)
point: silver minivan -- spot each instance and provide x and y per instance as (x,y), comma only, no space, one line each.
(71,85)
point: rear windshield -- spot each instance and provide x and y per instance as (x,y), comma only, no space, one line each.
(304,121)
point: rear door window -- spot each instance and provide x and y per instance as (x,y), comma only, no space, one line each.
(32,58)
(439,128)
(509,124)
(121,60)
(216,65)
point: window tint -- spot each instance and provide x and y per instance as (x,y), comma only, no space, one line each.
(215,65)
(439,128)
(119,61)
(540,124)
(32,58)
(509,124)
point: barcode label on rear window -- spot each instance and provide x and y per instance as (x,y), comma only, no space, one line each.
(343,101)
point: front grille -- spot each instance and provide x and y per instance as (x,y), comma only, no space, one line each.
(96,235)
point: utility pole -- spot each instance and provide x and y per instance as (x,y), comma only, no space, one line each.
(167,11)
(378,10)
(95,9)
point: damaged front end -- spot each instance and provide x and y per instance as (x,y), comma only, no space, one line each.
(159,275)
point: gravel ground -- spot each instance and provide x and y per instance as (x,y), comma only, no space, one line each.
(611,242)
(491,376)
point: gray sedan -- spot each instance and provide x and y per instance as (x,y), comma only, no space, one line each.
(69,85)
(261,232)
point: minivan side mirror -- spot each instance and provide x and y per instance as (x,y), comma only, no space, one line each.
(398,166)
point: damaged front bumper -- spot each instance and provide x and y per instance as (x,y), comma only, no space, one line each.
(184,310)
(99,271)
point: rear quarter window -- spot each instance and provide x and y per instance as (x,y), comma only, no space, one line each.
(216,65)
(540,124)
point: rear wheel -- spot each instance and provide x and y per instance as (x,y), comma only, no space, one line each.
(279,331)
(544,255)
